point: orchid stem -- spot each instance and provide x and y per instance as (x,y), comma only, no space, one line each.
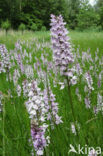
(72,107)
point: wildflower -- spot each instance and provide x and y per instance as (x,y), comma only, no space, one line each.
(19,90)
(73,81)
(99,80)
(86,89)
(62,85)
(92,153)
(73,128)
(16,76)
(99,83)
(78,69)
(5,63)
(95,110)
(87,102)
(18,45)
(52,107)
(99,102)
(19,61)
(78,94)
(60,43)
(29,71)
(89,80)
(39,141)
(25,88)
(37,111)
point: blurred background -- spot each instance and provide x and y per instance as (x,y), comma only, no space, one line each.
(35,14)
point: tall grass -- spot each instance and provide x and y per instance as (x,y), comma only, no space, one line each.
(84,40)
(15,128)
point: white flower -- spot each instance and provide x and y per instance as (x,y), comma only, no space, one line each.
(35,107)
(92,153)
(73,128)
(38,101)
(42,118)
(30,94)
(74,80)
(33,112)
(40,152)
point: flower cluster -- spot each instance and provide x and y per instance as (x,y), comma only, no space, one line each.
(92,153)
(61,45)
(99,102)
(5,63)
(35,104)
(37,111)
(38,137)
(89,80)
(16,76)
(19,61)
(29,71)
(25,87)
(42,107)
(18,90)
(74,127)
(52,107)
(87,102)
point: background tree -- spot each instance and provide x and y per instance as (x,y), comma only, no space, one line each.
(99,8)
(6,25)
(22,27)
(77,13)
(87,17)
(73,7)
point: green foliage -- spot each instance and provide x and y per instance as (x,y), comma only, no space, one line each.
(73,7)
(6,25)
(34,27)
(29,12)
(99,9)
(43,28)
(30,20)
(22,27)
(77,13)
(16,132)
(87,19)
(101,16)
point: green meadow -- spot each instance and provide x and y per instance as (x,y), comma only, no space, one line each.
(85,40)
(14,120)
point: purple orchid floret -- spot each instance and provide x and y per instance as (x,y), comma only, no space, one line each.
(60,43)
(89,80)
(78,69)
(52,107)
(38,137)
(5,63)
(92,152)
(37,112)
(41,108)
(99,80)
(18,90)
(19,61)
(16,76)
(18,46)
(28,70)
(78,94)
(87,102)
(99,103)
